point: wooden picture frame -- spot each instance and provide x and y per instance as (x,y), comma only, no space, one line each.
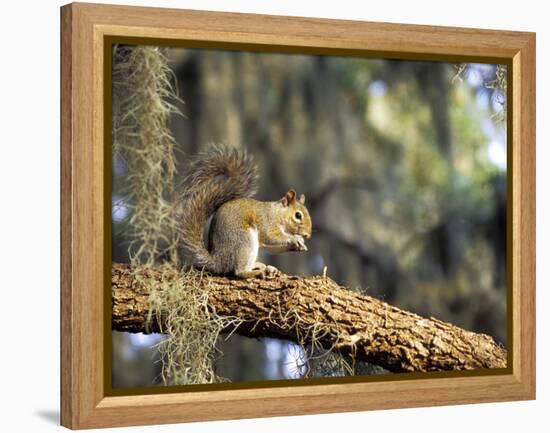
(85,33)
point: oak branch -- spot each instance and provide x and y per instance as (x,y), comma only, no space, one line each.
(291,308)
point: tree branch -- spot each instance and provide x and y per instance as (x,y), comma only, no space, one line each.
(296,308)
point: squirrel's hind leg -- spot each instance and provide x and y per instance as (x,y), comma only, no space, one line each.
(246,254)
(259,270)
(271,270)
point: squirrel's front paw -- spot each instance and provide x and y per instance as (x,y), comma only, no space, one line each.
(299,244)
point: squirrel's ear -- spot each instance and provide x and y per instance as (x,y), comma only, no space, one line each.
(289,197)
(302,199)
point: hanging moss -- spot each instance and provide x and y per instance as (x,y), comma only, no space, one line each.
(143,97)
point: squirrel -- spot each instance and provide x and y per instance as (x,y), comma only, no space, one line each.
(220,183)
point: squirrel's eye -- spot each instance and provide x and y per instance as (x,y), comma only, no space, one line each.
(298,215)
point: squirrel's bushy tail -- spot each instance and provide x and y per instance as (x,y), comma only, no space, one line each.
(216,176)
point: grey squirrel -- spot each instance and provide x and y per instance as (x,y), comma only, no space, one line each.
(221,182)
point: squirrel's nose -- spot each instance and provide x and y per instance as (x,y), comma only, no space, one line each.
(307,236)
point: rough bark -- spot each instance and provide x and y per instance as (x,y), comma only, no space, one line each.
(302,308)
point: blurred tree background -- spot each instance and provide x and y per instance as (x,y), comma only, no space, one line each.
(403,165)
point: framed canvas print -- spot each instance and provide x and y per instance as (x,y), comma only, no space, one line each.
(270,216)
